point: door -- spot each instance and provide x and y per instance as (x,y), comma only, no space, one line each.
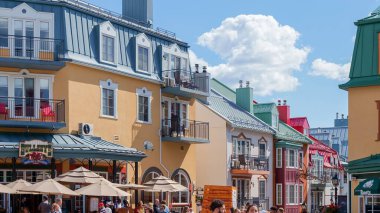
(316,201)
(242,189)
(24,39)
(24,104)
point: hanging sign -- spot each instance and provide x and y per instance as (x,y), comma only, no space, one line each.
(35,152)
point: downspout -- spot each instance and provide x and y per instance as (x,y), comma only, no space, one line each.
(160,134)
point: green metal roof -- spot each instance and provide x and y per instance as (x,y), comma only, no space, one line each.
(70,146)
(265,108)
(287,133)
(364,65)
(290,144)
(370,164)
(235,115)
(223,90)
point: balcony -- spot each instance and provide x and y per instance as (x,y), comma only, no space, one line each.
(31,52)
(249,164)
(187,84)
(32,113)
(183,130)
(321,177)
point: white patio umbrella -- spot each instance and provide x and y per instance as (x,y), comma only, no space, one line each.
(80,175)
(164,184)
(6,190)
(102,188)
(131,186)
(19,185)
(49,187)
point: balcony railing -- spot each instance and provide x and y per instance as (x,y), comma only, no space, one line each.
(185,128)
(322,176)
(32,110)
(32,48)
(249,162)
(195,81)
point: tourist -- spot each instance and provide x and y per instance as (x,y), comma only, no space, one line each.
(25,210)
(44,206)
(236,210)
(281,210)
(156,206)
(59,202)
(108,207)
(101,208)
(55,208)
(273,209)
(186,209)
(165,207)
(217,206)
(252,209)
(140,208)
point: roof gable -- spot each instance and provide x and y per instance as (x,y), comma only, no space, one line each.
(286,132)
(300,121)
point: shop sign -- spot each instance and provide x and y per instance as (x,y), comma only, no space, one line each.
(35,152)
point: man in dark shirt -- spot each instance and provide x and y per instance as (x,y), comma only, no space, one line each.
(44,206)
(156,206)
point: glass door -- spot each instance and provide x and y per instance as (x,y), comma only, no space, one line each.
(241,147)
(24,39)
(19,41)
(24,105)
(29,97)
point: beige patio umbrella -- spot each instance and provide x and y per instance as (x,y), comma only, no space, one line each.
(49,187)
(6,190)
(131,186)
(19,185)
(80,175)
(102,188)
(164,184)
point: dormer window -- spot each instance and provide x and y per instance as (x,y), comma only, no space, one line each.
(143,59)
(144,62)
(108,49)
(175,62)
(108,42)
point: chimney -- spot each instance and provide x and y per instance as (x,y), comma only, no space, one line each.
(284,112)
(138,10)
(244,96)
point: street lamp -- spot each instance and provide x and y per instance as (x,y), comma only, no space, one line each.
(335,182)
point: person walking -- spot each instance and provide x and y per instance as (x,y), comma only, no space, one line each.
(252,209)
(44,206)
(58,201)
(101,207)
(165,207)
(217,206)
(156,206)
(55,208)
(140,208)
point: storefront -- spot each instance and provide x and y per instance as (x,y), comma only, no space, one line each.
(36,157)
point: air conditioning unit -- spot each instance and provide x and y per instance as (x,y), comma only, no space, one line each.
(86,129)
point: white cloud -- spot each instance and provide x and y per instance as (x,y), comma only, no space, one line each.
(195,60)
(330,70)
(258,49)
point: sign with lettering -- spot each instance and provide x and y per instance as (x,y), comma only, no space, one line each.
(35,152)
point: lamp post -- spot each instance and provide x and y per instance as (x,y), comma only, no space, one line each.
(335,182)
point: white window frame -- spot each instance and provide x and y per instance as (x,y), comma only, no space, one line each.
(174,50)
(278,158)
(31,15)
(108,84)
(144,92)
(288,158)
(265,148)
(172,100)
(183,175)
(295,194)
(23,171)
(279,194)
(300,191)
(143,41)
(265,188)
(107,29)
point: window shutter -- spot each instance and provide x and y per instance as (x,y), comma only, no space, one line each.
(287,194)
(287,157)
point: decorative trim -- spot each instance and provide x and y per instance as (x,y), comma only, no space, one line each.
(143,41)
(107,29)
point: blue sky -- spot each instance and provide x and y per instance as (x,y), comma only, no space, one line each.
(325,31)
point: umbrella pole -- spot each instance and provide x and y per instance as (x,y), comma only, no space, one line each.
(84,204)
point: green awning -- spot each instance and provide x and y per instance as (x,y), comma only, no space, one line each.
(370,186)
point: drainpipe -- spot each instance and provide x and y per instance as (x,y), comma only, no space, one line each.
(163,166)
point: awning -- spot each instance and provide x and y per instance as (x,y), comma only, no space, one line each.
(369,186)
(70,146)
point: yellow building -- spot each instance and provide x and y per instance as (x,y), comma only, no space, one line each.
(79,87)
(364,122)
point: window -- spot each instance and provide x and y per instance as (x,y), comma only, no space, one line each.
(44,34)
(44,89)
(181,197)
(3,32)
(300,193)
(291,192)
(300,159)
(143,108)
(262,189)
(148,197)
(143,60)
(241,147)
(108,102)
(3,90)
(262,150)
(278,194)
(279,158)
(108,50)
(108,99)
(291,158)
